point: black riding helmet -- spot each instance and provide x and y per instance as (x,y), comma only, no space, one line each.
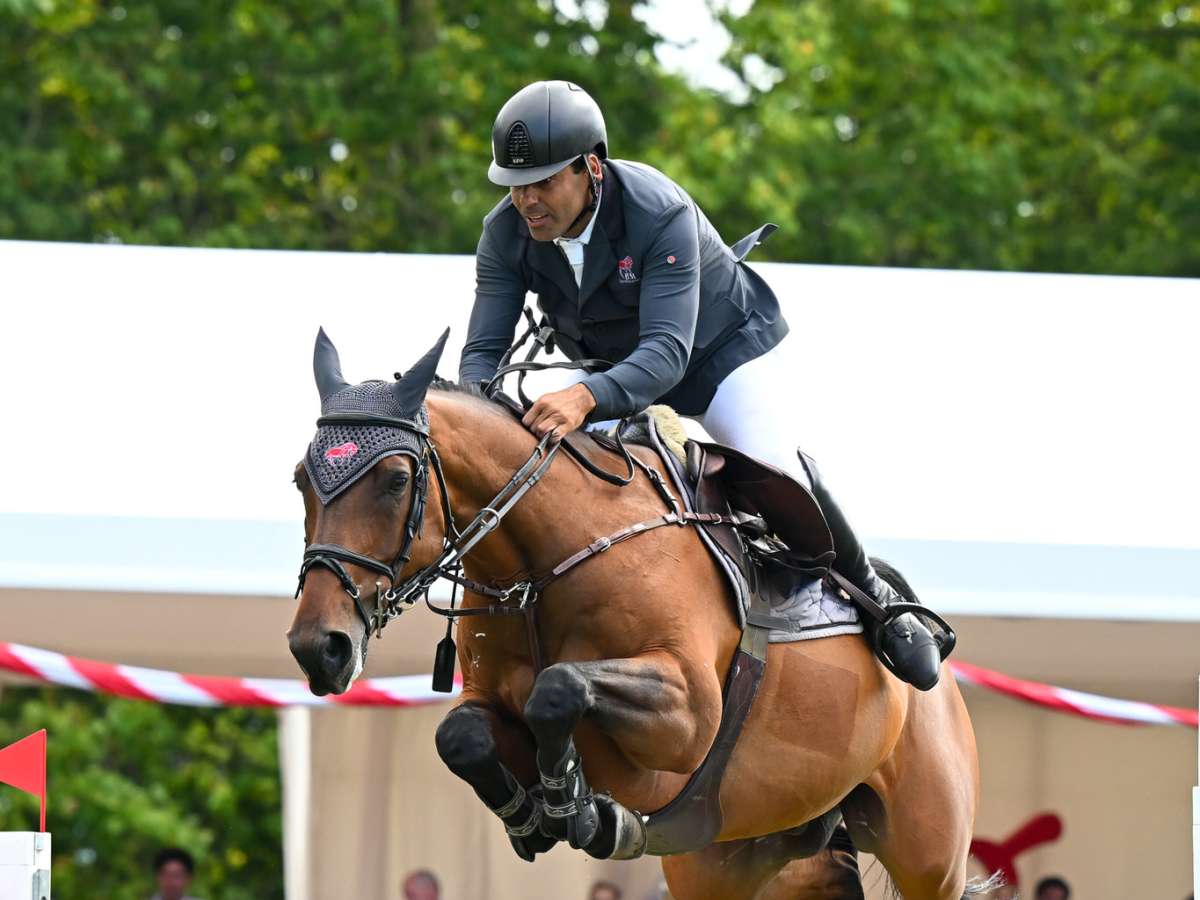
(542,129)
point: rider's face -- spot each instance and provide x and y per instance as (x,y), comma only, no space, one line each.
(551,205)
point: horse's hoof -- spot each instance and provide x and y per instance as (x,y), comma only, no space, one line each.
(531,845)
(553,829)
(622,833)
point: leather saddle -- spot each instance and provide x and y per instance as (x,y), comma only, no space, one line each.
(781,541)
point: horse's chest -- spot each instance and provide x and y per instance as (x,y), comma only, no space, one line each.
(491,669)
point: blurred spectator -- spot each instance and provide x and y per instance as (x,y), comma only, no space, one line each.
(173,870)
(421,885)
(604,890)
(1052,888)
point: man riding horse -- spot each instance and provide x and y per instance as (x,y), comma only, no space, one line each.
(628,269)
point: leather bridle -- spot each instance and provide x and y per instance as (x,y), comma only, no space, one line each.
(398,596)
(391,601)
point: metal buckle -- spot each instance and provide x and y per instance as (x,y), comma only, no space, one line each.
(525,588)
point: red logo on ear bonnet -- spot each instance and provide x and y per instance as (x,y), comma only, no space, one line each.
(342,451)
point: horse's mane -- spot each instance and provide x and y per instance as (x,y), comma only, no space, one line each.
(473,390)
(453,387)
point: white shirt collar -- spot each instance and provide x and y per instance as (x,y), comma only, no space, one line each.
(587,230)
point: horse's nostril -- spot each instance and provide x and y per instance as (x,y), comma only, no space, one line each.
(336,651)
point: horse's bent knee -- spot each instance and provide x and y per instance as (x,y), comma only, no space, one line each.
(465,742)
(559,699)
(682,754)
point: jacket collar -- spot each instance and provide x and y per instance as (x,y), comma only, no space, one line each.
(599,259)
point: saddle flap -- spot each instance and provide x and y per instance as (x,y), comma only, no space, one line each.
(788,507)
(713,464)
(709,496)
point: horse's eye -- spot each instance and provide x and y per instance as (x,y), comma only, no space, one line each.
(398,483)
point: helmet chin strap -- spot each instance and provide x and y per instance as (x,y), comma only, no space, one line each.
(594,189)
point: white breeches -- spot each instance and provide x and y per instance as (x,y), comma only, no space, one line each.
(745,412)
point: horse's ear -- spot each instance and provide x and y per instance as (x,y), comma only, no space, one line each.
(326,366)
(410,389)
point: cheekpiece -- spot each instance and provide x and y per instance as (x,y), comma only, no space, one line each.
(360,425)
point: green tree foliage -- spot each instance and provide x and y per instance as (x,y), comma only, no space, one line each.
(127,778)
(1030,134)
(317,124)
(1055,135)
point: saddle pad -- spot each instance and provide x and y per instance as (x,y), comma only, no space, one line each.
(815,611)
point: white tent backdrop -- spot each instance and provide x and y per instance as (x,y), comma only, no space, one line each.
(1033,427)
(1019,445)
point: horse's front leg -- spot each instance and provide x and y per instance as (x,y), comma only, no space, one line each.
(467,743)
(647,706)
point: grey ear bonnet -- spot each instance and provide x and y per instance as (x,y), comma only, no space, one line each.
(361,424)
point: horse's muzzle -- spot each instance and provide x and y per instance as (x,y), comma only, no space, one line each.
(328,658)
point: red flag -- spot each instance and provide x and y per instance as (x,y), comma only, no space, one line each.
(23,765)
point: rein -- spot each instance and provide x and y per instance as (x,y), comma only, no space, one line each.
(543,336)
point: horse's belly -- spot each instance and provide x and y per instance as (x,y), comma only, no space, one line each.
(826,716)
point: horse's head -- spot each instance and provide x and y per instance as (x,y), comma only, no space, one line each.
(365,482)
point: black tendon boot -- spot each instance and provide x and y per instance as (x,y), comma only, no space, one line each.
(902,641)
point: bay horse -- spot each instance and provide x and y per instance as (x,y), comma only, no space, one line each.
(635,646)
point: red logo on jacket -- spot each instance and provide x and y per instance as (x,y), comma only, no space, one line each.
(625,269)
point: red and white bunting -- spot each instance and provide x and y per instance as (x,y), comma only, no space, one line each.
(1077,703)
(207,690)
(161,686)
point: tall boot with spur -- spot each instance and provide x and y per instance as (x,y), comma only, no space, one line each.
(902,641)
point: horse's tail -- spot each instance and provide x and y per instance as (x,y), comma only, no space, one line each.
(983,886)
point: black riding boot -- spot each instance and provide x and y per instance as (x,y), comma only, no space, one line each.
(911,650)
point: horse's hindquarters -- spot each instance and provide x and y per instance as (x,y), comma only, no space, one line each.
(833,730)
(920,827)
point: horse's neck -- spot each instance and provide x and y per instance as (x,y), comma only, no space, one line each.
(480,448)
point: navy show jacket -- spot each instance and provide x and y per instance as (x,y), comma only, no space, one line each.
(662,296)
